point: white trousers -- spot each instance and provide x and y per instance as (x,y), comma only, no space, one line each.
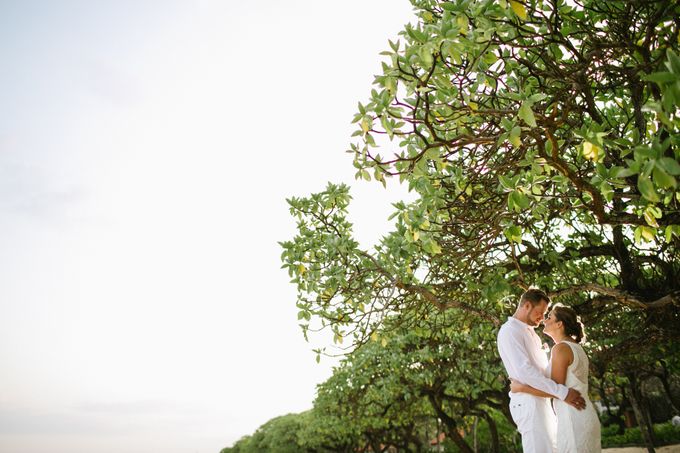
(535,421)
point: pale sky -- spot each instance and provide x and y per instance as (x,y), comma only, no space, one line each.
(146,151)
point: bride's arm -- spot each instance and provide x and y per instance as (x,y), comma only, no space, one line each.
(561,357)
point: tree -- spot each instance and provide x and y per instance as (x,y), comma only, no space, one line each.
(370,406)
(279,435)
(542,141)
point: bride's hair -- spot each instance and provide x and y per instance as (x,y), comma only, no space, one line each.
(572,324)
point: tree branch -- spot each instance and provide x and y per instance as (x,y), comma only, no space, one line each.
(621,296)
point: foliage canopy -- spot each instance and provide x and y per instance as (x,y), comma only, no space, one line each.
(541,139)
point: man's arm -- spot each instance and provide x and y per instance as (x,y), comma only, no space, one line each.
(562,357)
(518,387)
(512,346)
(573,398)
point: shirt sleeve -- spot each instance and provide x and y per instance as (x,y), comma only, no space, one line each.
(512,348)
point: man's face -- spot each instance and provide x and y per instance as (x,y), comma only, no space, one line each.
(536,313)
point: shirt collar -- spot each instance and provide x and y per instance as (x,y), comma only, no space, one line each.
(519,323)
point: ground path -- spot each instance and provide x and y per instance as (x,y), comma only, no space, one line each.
(666,449)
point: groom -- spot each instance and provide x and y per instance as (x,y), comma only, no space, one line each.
(525,361)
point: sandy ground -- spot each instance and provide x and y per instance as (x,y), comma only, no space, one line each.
(666,449)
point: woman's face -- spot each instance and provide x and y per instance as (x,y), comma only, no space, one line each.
(551,324)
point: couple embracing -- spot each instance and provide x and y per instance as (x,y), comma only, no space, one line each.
(570,424)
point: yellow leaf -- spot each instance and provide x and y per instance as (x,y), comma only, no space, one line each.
(365,124)
(591,151)
(301,269)
(463,22)
(374,336)
(384,342)
(519,9)
(647,234)
(390,84)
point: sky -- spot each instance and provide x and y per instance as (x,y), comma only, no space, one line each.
(146,152)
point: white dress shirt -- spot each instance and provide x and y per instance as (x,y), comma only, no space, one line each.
(524,359)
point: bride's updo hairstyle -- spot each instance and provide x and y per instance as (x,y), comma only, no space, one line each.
(572,325)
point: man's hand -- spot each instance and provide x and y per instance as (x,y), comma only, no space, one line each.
(575,399)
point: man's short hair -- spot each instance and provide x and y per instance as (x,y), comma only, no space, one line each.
(535,296)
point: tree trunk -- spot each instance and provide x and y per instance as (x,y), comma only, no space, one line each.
(375,445)
(618,418)
(493,429)
(452,431)
(642,417)
(475,447)
(450,423)
(664,377)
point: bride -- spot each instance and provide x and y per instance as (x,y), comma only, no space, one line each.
(577,431)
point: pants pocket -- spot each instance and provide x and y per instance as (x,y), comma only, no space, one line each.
(521,412)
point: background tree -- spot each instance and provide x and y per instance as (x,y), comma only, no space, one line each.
(366,396)
(279,435)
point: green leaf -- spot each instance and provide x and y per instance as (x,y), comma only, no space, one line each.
(538,97)
(426,56)
(661,77)
(607,191)
(673,62)
(506,182)
(672,230)
(517,201)
(620,172)
(514,234)
(515,136)
(431,246)
(526,115)
(669,165)
(663,179)
(646,188)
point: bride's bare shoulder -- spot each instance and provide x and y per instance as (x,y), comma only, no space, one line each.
(562,351)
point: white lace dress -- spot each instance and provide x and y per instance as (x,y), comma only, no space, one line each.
(577,431)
